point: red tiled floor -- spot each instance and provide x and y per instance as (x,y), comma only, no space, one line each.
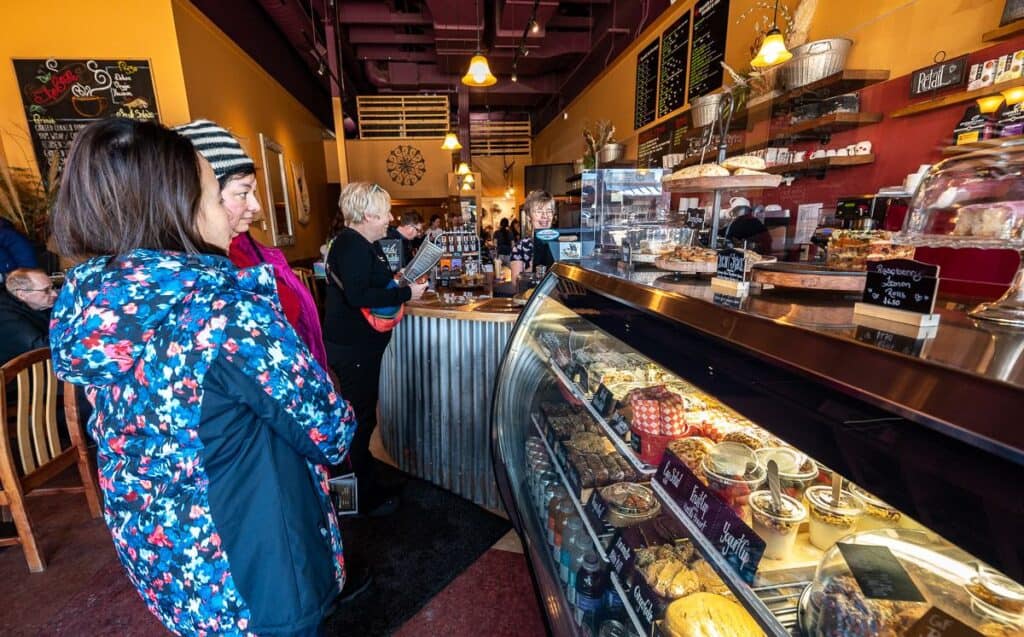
(494,597)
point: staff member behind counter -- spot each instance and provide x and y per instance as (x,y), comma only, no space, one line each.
(747,229)
(540,209)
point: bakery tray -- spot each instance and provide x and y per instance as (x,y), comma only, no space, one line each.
(806,276)
(711,184)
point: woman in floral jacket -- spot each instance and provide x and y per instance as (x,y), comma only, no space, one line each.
(212,419)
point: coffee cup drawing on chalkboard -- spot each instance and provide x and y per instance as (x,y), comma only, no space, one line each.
(89,105)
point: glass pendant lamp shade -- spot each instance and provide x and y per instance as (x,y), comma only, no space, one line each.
(990,103)
(479,73)
(463,168)
(773,51)
(1014,95)
(451,142)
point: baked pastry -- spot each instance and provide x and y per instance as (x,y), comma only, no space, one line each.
(749,162)
(748,171)
(700,170)
(1001,220)
(709,615)
(710,582)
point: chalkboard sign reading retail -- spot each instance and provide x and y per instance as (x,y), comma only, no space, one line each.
(944,75)
(902,284)
(675,51)
(61,97)
(645,104)
(710,25)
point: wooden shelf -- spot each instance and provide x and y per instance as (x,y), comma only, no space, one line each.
(962,149)
(821,164)
(828,124)
(1004,33)
(958,97)
(846,81)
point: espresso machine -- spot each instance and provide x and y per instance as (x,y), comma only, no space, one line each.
(884,210)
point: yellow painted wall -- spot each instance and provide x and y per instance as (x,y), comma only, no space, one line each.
(139,29)
(225,85)
(899,35)
(367,160)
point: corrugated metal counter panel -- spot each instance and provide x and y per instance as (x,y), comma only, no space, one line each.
(437,382)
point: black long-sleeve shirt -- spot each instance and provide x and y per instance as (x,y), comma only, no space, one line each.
(363,271)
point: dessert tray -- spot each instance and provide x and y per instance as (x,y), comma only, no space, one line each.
(806,276)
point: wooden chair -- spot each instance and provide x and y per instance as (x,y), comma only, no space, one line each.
(31,450)
(306,276)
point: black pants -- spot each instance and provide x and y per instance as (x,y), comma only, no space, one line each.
(359,379)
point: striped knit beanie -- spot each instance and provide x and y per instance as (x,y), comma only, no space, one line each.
(218,147)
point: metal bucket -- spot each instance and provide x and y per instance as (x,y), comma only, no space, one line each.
(704,110)
(815,61)
(610,153)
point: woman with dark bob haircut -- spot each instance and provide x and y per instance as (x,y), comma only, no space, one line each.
(212,419)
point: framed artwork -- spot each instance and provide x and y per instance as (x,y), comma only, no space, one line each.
(278,202)
(301,191)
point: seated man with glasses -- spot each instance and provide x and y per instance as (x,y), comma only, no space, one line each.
(25,312)
(540,210)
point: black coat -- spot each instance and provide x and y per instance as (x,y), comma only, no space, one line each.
(24,329)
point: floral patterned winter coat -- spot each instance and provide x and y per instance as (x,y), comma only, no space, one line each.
(212,422)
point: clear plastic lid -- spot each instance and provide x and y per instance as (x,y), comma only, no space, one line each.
(975,200)
(792,509)
(849,505)
(792,463)
(946,577)
(733,460)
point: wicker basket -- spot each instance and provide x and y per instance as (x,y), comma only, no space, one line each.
(815,61)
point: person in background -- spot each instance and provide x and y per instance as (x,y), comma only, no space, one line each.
(503,241)
(15,250)
(358,277)
(435,230)
(409,229)
(236,174)
(25,302)
(517,234)
(212,419)
(540,210)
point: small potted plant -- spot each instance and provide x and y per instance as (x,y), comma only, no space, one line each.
(600,145)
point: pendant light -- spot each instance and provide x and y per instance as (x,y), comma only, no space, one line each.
(479,73)
(463,168)
(773,49)
(451,142)
(990,103)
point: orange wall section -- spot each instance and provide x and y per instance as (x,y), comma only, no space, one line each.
(225,85)
(71,29)
(898,35)
(368,161)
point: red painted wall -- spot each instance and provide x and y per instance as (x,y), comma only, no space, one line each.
(900,146)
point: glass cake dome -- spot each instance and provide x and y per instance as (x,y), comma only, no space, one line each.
(974,201)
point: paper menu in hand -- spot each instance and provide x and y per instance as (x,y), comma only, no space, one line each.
(426,258)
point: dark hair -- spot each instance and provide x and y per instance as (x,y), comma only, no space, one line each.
(434,218)
(411,218)
(129,184)
(503,223)
(223,181)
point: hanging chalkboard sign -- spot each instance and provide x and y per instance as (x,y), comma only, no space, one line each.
(61,97)
(675,50)
(945,74)
(710,25)
(645,103)
(902,284)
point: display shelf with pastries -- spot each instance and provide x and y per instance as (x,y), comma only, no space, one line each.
(677,379)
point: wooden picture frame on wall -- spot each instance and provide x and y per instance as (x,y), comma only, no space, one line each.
(301,191)
(278,207)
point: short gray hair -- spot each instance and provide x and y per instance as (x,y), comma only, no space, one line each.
(360,198)
(21,279)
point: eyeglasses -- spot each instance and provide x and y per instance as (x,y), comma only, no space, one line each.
(545,212)
(49,288)
(375,188)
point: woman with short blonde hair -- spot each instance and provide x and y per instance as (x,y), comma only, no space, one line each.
(361,199)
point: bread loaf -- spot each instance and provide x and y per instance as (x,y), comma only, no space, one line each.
(750,162)
(748,171)
(709,615)
(700,170)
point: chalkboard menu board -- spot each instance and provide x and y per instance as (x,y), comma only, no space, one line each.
(710,24)
(646,85)
(655,145)
(675,51)
(63,96)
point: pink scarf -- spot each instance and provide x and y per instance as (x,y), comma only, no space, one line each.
(308,327)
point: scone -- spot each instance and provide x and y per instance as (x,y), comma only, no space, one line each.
(750,162)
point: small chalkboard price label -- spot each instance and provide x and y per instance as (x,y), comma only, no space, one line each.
(596,510)
(902,284)
(878,573)
(695,218)
(888,340)
(392,249)
(604,401)
(621,554)
(619,425)
(731,265)
(727,300)
(937,623)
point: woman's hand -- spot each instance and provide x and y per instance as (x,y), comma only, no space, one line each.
(417,291)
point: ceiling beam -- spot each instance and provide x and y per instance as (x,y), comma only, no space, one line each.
(378,13)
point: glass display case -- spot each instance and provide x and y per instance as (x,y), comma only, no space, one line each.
(632,433)
(619,204)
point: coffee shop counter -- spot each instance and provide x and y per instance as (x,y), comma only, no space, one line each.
(437,381)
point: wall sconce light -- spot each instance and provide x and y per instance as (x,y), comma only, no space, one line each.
(451,142)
